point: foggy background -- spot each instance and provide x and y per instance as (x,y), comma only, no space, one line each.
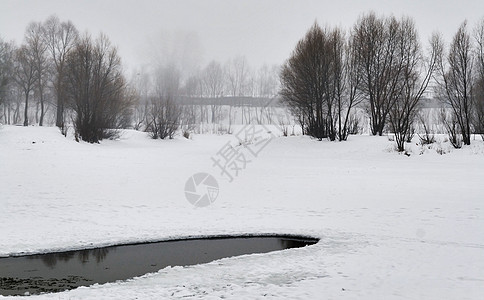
(196,32)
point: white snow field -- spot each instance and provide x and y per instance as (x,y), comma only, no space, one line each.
(391,226)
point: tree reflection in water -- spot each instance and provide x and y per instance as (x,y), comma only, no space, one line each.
(84,256)
(100,254)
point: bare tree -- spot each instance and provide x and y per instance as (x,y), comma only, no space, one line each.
(347,121)
(339,101)
(313,83)
(213,82)
(189,118)
(6,69)
(25,75)
(237,74)
(267,81)
(164,111)
(478,92)
(16,101)
(35,40)
(379,64)
(140,89)
(195,86)
(96,89)
(455,81)
(60,38)
(164,116)
(301,86)
(412,84)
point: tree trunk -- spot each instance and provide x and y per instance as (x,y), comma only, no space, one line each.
(26,119)
(59,122)
(42,112)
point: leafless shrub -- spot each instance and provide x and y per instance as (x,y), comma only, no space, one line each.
(96,90)
(165,112)
(186,134)
(427,137)
(164,116)
(451,125)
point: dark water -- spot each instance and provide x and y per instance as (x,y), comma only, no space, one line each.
(54,272)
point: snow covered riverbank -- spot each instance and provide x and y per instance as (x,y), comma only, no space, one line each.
(391,226)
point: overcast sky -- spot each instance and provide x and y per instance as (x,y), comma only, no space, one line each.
(263,31)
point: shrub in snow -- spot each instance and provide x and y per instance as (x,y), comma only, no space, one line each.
(96,90)
(164,118)
(164,113)
(426,139)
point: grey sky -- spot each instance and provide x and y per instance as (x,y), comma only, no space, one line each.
(263,31)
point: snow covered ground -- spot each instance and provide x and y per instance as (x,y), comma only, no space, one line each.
(391,226)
